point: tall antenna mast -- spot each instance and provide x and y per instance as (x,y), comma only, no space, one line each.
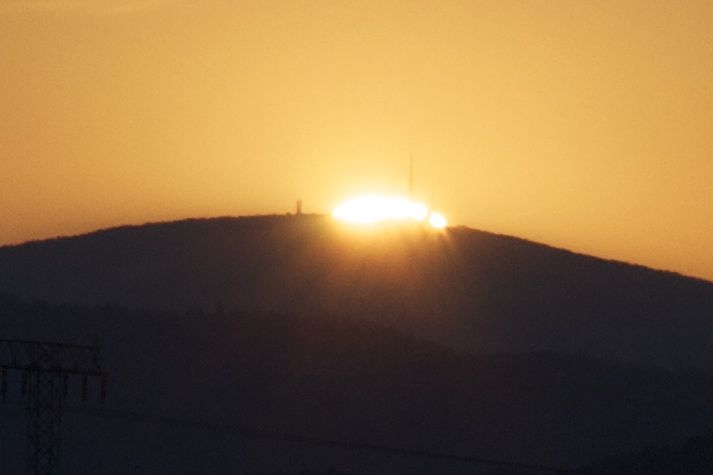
(410,176)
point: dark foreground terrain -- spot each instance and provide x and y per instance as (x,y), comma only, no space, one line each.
(184,387)
(283,344)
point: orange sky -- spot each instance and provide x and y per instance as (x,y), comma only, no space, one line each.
(582,124)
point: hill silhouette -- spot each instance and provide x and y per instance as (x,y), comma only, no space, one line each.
(337,378)
(468,289)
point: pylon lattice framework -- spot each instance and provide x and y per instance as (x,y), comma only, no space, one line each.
(46,368)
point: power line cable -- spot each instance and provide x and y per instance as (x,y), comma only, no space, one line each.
(312,440)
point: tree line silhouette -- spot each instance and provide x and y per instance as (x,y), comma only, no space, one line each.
(356,379)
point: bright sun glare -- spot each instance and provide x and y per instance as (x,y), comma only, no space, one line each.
(371,209)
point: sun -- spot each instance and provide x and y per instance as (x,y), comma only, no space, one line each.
(437,220)
(372,209)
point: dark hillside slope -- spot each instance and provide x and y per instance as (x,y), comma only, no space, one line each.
(695,457)
(339,378)
(470,289)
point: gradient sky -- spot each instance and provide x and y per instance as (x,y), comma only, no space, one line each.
(581,124)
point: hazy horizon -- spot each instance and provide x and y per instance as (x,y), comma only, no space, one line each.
(291,213)
(582,125)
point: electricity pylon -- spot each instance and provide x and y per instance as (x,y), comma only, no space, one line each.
(46,369)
